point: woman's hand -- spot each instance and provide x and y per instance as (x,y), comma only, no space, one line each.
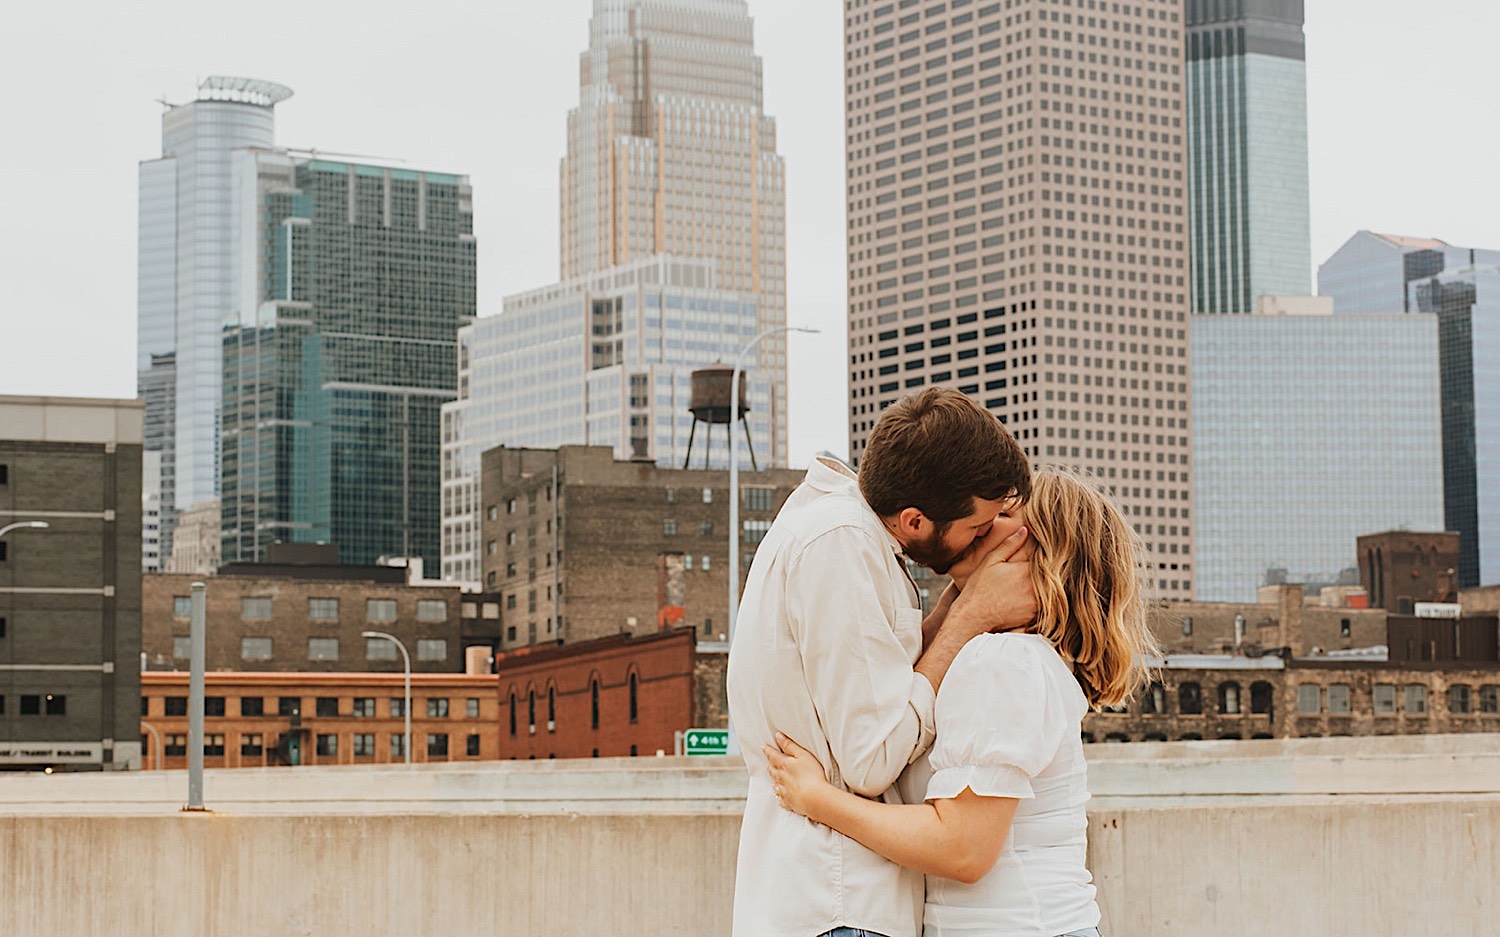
(797,776)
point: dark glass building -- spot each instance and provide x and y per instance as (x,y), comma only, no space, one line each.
(345,351)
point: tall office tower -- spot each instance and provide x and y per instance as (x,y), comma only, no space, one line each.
(1247,152)
(604,359)
(670,152)
(1310,430)
(1017,218)
(355,282)
(186,272)
(1389,273)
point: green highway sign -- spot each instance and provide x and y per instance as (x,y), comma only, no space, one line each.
(705,742)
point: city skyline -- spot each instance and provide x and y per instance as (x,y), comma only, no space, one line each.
(511,144)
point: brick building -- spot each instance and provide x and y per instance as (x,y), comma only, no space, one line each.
(582,546)
(620,695)
(275,719)
(70,582)
(1400,568)
(308,616)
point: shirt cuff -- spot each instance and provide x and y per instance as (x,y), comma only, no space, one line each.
(984,780)
(924,704)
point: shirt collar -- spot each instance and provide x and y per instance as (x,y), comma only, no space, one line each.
(831,475)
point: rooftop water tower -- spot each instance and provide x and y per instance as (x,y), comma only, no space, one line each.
(711,404)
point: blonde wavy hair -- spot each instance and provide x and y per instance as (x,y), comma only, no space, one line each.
(1086,573)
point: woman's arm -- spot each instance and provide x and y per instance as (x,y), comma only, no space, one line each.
(958,838)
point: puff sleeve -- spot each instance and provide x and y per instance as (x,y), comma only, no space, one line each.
(995,719)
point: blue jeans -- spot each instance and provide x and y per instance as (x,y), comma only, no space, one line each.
(850,932)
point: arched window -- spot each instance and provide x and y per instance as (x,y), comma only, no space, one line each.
(1260,697)
(512,713)
(1190,699)
(1229,699)
(594,703)
(531,710)
(1154,702)
(634,704)
(551,708)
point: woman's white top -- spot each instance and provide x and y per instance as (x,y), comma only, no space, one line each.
(1008,718)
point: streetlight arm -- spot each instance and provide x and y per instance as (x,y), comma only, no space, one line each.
(406,705)
(21,525)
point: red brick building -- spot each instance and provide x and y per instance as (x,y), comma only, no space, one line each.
(621,695)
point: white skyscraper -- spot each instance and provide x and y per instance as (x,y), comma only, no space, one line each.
(186,274)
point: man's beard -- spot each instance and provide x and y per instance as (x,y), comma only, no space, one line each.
(932,554)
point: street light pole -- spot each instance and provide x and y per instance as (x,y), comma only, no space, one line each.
(406,708)
(734,471)
(19,525)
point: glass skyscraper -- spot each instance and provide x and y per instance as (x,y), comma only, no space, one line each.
(354,283)
(186,275)
(1310,430)
(1390,273)
(1246,95)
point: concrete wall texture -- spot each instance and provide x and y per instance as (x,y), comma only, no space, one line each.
(1397,836)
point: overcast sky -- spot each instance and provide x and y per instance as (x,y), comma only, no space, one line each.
(1403,133)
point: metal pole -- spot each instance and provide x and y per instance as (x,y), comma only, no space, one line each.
(406,706)
(157,736)
(195,698)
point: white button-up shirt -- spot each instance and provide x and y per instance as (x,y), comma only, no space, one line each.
(827,633)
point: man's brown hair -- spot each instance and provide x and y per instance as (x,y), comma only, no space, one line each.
(937,450)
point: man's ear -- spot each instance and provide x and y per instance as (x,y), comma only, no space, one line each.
(911,523)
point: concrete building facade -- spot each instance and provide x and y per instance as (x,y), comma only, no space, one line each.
(584,546)
(70,589)
(1247,152)
(258,720)
(1288,405)
(1017,229)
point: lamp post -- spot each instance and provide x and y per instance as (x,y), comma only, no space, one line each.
(19,525)
(734,472)
(406,708)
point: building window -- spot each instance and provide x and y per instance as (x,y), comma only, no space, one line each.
(1416,699)
(432,649)
(491,513)
(213,744)
(255,648)
(289,706)
(322,648)
(471,708)
(327,707)
(708,496)
(323,609)
(398,707)
(671,495)
(551,709)
(510,538)
(182,606)
(1339,699)
(1309,699)
(669,528)
(510,601)
(1489,698)
(252,706)
(1344,627)
(380,649)
(213,706)
(175,745)
(1190,699)
(758,499)
(175,706)
(471,746)
(1154,702)
(432,610)
(634,703)
(1384,699)
(531,712)
(327,745)
(255,607)
(380,609)
(398,745)
(1187,626)
(182,648)
(755,531)
(437,745)
(594,703)
(252,744)
(1229,699)
(513,714)
(437,708)
(1459,700)
(364,707)
(364,745)
(1261,696)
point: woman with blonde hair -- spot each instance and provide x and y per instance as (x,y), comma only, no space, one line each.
(1001,832)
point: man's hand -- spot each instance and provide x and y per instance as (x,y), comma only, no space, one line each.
(994,547)
(998,594)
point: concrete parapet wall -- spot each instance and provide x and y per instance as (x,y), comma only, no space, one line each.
(1325,837)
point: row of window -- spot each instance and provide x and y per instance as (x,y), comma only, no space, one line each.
(325,649)
(1311,699)
(258,607)
(323,706)
(632,684)
(39,704)
(252,744)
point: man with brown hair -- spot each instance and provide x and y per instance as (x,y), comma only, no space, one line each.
(830,647)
